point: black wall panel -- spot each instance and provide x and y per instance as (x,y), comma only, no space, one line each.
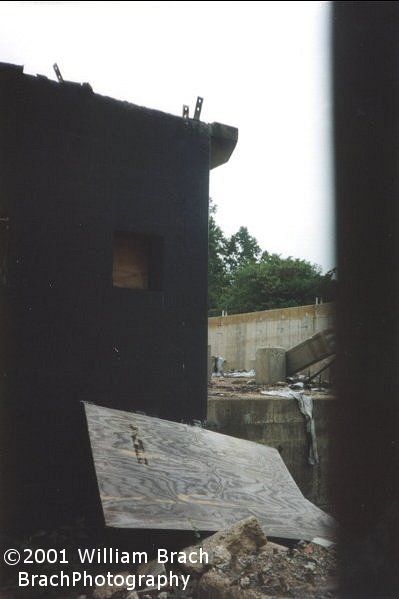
(75,168)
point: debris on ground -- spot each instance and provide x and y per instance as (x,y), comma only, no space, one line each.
(238,563)
(243,564)
(239,384)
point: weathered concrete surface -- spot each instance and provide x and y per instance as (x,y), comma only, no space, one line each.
(270,365)
(237,337)
(277,422)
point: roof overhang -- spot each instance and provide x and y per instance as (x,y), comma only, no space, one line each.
(223,141)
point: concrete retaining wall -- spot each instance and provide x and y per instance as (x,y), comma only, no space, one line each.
(237,337)
(277,422)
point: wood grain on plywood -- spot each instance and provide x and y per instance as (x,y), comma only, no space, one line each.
(157,474)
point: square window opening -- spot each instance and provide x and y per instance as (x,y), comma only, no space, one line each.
(137,261)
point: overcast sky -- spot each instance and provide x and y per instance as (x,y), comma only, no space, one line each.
(260,66)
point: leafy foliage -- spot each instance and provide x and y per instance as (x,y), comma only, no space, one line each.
(218,281)
(241,250)
(243,279)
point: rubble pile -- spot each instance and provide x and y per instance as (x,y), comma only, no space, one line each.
(243,564)
(240,563)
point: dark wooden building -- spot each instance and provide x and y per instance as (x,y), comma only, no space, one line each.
(103,217)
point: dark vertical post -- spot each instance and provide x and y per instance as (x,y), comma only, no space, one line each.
(366,114)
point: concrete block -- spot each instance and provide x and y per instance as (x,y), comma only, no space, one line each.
(270,365)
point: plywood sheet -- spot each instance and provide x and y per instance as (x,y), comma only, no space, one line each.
(157,474)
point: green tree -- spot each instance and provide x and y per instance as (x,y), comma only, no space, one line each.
(241,249)
(217,272)
(274,282)
(328,286)
(242,278)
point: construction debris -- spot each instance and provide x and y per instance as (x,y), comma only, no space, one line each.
(305,404)
(239,563)
(243,564)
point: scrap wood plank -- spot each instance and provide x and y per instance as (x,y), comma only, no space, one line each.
(314,349)
(156,474)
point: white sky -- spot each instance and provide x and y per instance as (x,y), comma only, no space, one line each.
(260,66)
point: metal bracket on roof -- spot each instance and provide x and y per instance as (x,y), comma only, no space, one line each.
(198,107)
(185,111)
(58,73)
